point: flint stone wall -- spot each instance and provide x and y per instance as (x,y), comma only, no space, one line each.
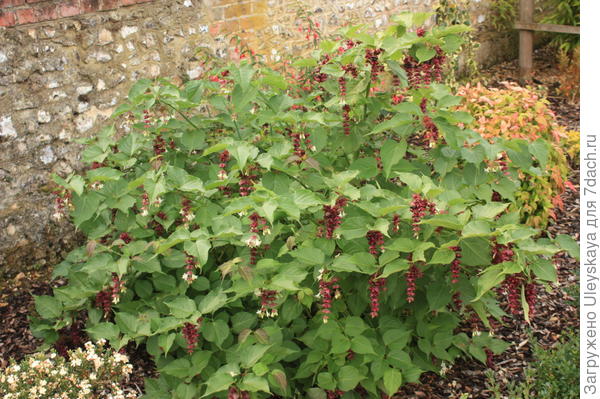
(66,65)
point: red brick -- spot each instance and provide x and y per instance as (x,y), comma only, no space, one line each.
(47,12)
(69,8)
(109,4)
(26,16)
(11,3)
(90,5)
(7,18)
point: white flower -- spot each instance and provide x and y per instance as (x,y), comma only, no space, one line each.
(253,241)
(189,277)
(444,368)
(222,175)
(119,358)
(75,362)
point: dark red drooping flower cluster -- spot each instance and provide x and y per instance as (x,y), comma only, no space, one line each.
(421,74)
(118,286)
(346,116)
(397,99)
(258,224)
(145,204)
(512,285)
(190,266)
(376,284)
(159,145)
(328,289)
(332,217)
(235,393)
(334,394)
(157,227)
(350,354)
(501,253)
(62,202)
(378,159)
(125,237)
(104,301)
(223,159)
(431,131)
(268,303)
(372,58)
(489,358)
(147,119)
(246,183)
(186,211)
(351,69)
(411,282)
(419,207)
(375,239)
(342,83)
(531,297)
(190,334)
(455,265)
(297,143)
(457,301)
(396,223)
(297,140)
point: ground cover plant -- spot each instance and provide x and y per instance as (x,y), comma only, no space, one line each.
(323,236)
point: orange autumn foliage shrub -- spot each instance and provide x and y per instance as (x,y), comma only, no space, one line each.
(515,112)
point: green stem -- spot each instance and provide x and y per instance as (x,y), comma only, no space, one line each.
(180,113)
(237,129)
(366,97)
(294,177)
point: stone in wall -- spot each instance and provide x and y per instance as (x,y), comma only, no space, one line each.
(66,65)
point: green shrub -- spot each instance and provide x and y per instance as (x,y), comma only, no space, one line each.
(317,236)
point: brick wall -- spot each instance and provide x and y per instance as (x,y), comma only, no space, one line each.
(20,12)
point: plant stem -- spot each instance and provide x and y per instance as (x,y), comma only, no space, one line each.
(180,113)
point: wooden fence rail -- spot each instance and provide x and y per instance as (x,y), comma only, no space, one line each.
(526,28)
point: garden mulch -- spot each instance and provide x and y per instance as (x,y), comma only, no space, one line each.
(556,313)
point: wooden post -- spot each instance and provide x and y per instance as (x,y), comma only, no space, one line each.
(525,40)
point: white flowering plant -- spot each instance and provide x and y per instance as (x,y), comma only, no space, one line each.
(94,372)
